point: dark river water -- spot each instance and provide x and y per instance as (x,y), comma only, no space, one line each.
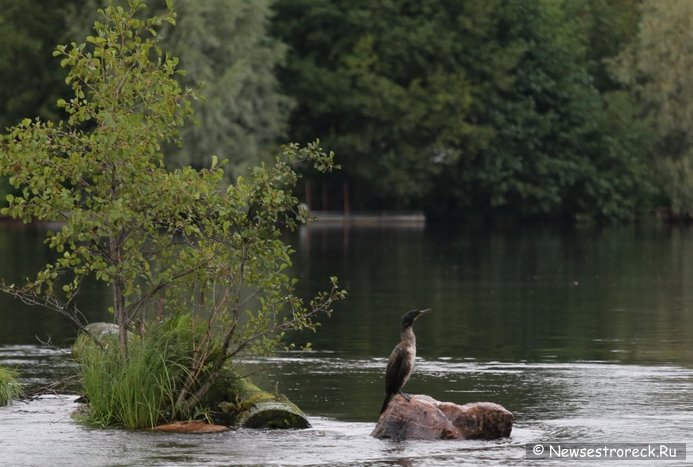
(584,334)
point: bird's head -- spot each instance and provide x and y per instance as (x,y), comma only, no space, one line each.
(411,316)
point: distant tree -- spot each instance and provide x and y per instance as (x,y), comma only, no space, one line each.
(386,84)
(610,26)
(31,81)
(558,148)
(476,106)
(230,59)
(656,68)
(225,47)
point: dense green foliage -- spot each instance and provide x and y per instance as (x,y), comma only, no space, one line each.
(10,388)
(383,84)
(556,147)
(31,80)
(656,68)
(167,242)
(488,108)
(472,106)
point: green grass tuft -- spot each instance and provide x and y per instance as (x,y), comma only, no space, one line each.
(138,391)
(10,388)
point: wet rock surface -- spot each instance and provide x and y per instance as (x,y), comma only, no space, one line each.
(426,418)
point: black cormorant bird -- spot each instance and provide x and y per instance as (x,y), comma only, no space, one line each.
(401,361)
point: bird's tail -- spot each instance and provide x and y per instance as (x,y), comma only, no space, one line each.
(386,402)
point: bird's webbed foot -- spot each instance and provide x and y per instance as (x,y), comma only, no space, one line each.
(405,395)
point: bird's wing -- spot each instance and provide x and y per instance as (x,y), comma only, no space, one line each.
(391,377)
(398,367)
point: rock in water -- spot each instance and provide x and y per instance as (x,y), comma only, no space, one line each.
(426,418)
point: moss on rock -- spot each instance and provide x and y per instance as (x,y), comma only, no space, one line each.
(244,404)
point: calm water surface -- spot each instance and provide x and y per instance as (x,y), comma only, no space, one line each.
(583,334)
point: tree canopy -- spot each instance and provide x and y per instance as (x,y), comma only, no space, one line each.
(656,70)
(465,107)
(550,154)
(483,108)
(31,79)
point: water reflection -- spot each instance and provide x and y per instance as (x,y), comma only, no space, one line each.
(23,254)
(618,294)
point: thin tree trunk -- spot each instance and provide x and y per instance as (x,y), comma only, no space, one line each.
(121,317)
(119,299)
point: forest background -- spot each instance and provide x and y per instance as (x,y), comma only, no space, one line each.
(481,109)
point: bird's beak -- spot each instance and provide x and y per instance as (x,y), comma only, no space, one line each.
(421,312)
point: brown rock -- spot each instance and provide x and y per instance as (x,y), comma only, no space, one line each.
(426,418)
(190,426)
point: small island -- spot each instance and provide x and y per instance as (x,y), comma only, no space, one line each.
(196,266)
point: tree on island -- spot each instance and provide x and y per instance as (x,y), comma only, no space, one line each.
(197,269)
